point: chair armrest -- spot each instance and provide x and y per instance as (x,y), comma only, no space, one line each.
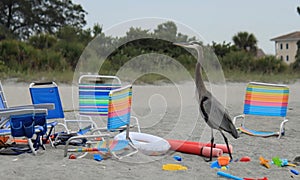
(88,121)
(242,116)
(48,106)
(98,130)
(84,117)
(8,112)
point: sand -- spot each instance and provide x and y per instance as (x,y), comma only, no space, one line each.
(170,112)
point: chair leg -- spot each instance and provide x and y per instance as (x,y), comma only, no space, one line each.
(281,130)
(53,124)
(31,146)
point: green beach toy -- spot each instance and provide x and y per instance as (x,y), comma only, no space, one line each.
(277,161)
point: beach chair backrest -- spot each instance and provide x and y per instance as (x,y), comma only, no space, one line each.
(119,107)
(47,92)
(94,93)
(266,99)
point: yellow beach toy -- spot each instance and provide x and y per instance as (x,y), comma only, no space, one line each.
(173,167)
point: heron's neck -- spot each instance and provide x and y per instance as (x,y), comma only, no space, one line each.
(199,81)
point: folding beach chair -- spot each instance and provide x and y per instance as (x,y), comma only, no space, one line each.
(48,92)
(25,123)
(5,123)
(119,107)
(264,99)
(94,96)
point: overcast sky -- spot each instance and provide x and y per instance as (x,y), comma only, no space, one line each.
(214,20)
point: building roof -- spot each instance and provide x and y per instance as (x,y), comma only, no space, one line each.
(291,36)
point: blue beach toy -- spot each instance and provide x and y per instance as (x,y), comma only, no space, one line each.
(294,171)
(221,173)
(98,157)
(177,158)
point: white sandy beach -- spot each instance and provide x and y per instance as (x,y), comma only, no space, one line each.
(170,112)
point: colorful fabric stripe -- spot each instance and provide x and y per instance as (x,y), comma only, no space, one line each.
(113,145)
(257,133)
(94,98)
(266,100)
(119,107)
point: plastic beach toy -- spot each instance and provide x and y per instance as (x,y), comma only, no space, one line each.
(98,157)
(190,147)
(245,159)
(277,161)
(182,144)
(146,143)
(264,162)
(285,162)
(215,164)
(221,173)
(173,167)
(177,158)
(223,160)
(264,178)
(294,171)
(72,156)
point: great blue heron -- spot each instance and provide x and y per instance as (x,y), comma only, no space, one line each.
(213,112)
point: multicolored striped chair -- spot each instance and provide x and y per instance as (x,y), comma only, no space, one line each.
(119,108)
(94,96)
(264,99)
(93,93)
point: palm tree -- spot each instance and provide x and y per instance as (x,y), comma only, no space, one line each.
(245,41)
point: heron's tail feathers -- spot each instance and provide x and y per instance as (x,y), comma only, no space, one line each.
(233,131)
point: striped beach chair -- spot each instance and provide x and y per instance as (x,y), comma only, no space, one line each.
(119,108)
(264,99)
(93,93)
(94,97)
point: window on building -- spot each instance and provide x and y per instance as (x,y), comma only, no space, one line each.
(281,46)
(281,58)
(287,58)
(287,46)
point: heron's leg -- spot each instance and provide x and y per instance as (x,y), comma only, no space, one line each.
(211,147)
(226,141)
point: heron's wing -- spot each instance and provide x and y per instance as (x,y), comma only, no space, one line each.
(218,118)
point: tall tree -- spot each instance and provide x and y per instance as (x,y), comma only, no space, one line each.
(245,41)
(222,49)
(167,31)
(28,17)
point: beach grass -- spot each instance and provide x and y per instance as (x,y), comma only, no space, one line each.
(284,78)
(152,78)
(58,76)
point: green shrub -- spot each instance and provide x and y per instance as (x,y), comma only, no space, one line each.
(269,65)
(237,60)
(42,41)
(70,51)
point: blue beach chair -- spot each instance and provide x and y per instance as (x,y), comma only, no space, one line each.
(5,120)
(4,105)
(25,123)
(48,92)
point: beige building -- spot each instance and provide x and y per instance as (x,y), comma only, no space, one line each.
(286,46)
